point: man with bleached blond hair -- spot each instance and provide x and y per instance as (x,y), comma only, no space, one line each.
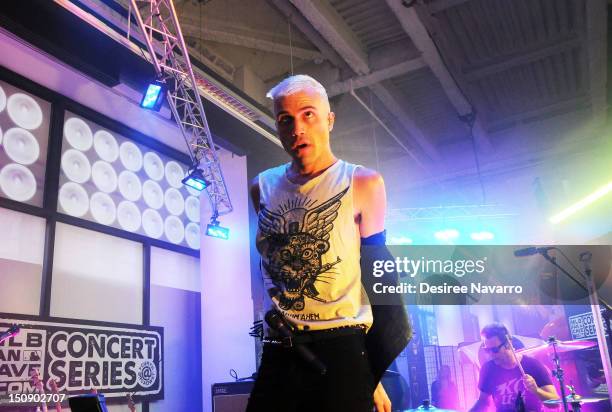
(315,214)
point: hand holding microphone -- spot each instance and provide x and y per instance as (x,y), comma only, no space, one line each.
(276,321)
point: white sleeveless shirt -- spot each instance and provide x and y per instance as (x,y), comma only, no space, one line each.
(310,249)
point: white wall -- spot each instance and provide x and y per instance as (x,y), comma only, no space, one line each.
(227,307)
(96,276)
(22,245)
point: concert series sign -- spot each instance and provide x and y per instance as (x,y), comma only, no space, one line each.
(80,357)
(582,326)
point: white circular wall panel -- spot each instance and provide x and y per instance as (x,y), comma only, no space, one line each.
(174,174)
(192,235)
(74,199)
(128,216)
(106,146)
(174,230)
(152,194)
(78,134)
(21,146)
(193,192)
(129,185)
(153,166)
(104,176)
(102,208)
(75,165)
(130,156)
(24,111)
(192,208)
(152,223)
(17,182)
(173,199)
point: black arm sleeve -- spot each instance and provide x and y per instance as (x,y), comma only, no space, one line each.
(391,330)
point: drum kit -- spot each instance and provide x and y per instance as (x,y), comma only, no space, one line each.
(426,406)
(555,347)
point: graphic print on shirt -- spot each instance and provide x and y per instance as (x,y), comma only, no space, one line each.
(298,236)
(507,392)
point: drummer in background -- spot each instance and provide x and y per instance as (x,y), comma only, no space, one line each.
(501,379)
(444,394)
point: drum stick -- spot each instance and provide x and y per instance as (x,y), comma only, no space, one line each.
(515,357)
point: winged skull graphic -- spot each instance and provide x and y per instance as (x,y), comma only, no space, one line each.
(298,238)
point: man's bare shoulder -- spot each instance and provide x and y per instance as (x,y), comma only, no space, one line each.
(367,180)
(370,201)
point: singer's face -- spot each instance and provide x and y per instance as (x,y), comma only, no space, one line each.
(303,122)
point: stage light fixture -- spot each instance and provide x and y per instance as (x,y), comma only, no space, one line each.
(154,96)
(215,230)
(195,179)
(581,204)
(482,236)
(400,240)
(446,235)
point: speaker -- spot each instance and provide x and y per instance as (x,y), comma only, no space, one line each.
(231,396)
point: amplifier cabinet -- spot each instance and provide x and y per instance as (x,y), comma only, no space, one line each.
(231,396)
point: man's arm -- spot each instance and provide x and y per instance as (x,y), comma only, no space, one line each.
(481,403)
(544,393)
(382,403)
(538,382)
(370,201)
(547,392)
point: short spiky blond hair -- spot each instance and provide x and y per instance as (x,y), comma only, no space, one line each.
(294,84)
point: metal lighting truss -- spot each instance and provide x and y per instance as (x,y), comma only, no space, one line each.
(168,53)
(454,212)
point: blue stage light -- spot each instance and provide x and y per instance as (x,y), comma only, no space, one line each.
(153,97)
(195,179)
(214,230)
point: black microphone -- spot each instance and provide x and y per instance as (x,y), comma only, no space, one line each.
(519,403)
(276,322)
(528,251)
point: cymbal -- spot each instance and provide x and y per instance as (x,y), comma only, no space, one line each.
(562,346)
(574,398)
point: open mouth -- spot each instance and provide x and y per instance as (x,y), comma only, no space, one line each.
(301,146)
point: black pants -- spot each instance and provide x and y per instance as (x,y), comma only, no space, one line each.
(285,383)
